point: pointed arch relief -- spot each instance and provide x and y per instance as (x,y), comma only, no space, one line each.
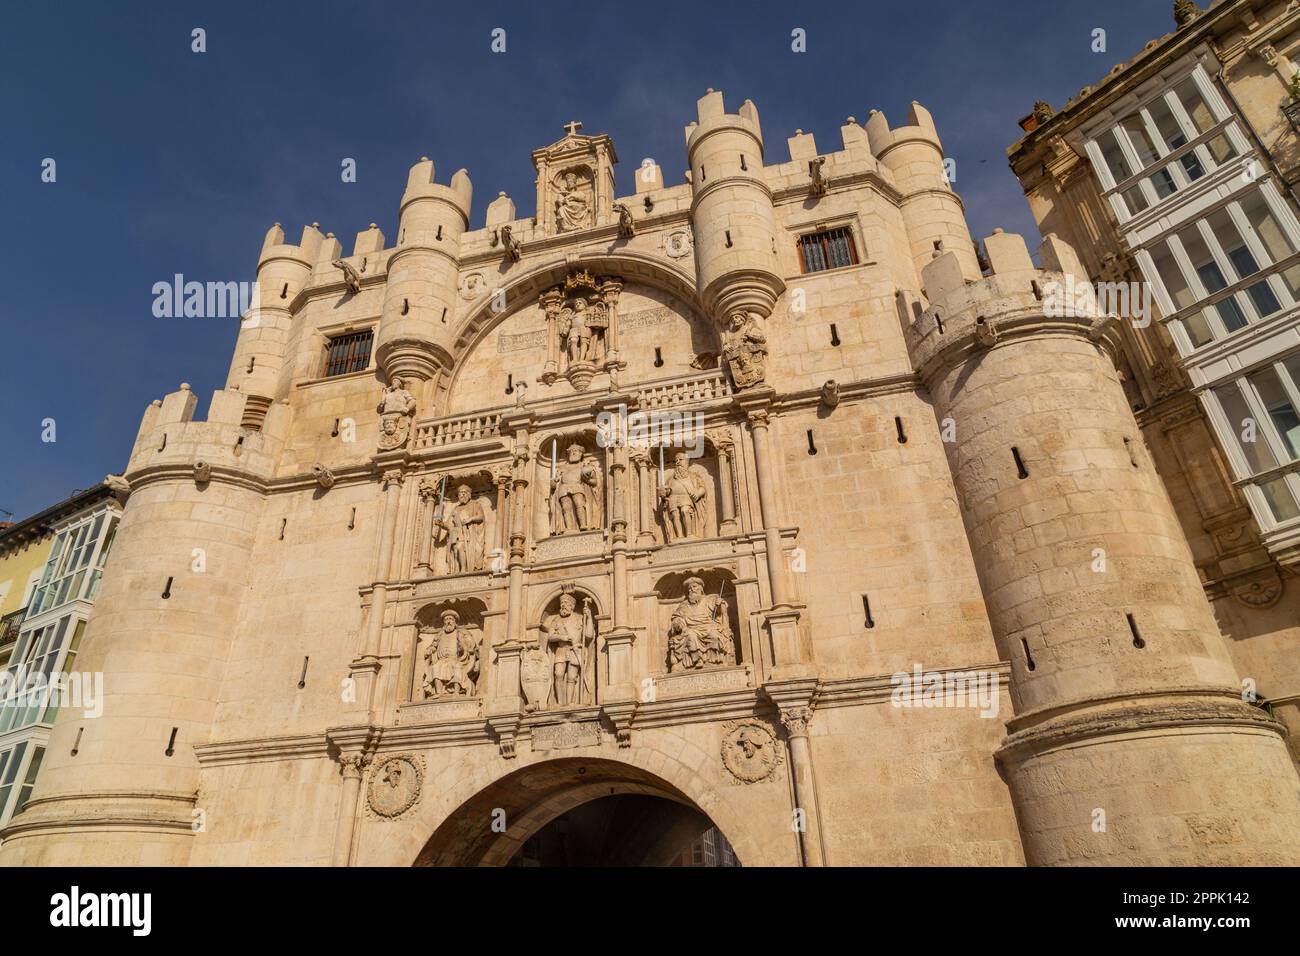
(487,822)
(572,326)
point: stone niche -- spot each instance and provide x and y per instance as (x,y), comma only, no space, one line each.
(459,530)
(572,498)
(685,489)
(658,337)
(559,668)
(450,657)
(697,634)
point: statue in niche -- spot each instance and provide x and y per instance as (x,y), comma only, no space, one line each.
(683,497)
(569,639)
(700,632)
(574,205)
(396,409)
(462,531)
(582,331)
(745,349)
(452,661)
(575,502)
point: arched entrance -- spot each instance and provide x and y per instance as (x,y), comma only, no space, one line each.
(574,812)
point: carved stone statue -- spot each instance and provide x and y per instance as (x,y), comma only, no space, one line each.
(626,226)
(462,529)
(573,207)
(575,504)
(569,639)
(745,350)
(351,277)
(396,409)
(452,661)
(576,332)
(700,633)
(682,498)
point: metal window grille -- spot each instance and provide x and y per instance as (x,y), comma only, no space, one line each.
(832,249)
(348,353)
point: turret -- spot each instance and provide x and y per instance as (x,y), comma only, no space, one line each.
(121,789)
(932,212)
(731,211)
(1131,743)
(417,333)
(258,365)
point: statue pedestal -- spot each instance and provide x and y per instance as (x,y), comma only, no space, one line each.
(786,640)
(619,684)
(439,710)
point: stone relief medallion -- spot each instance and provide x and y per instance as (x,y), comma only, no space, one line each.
(677,243)
(750,751)
(472,286)
(395,785)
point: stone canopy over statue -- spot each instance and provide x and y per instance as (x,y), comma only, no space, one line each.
(699,634)
(451,660)
(575,499)
(580,316)
(396,409)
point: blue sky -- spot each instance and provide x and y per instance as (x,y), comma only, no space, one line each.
(171,161)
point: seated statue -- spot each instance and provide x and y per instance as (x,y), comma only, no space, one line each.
(700,633)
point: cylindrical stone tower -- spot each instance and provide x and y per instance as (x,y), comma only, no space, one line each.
(118,787)
(1131,742)
(932,212)
(416,336)
(731,211)
(257,368)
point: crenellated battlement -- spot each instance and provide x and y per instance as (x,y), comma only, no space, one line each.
(171,443)
(920,128)
(955,317)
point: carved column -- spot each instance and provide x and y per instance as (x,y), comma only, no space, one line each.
(502,478)
(758,427)
(795,721)
(726,479)
(550,301)
(645,518)
(609,292)
(618,525)
(353,766)
(518,543)
(392,485)
(428,495)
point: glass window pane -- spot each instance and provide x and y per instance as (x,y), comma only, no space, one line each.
(1166,124)
(1142,144)
(1110,152)
(1244,430)
(1197,109)
(1135,199)
(1221,149)
(1280,500)
(1274,398)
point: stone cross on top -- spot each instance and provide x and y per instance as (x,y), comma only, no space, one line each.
(572,127)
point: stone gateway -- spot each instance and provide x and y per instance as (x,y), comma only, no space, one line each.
(494,611)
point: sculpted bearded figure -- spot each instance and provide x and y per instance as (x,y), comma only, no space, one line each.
(396,408)
(574,503)
(700,632)
(569,639)
(681,500)
(451,661)
(463,530)
(745,350)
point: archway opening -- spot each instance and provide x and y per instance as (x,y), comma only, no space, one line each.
(577,812)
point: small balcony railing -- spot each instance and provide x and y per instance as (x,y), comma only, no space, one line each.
(1292,112)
